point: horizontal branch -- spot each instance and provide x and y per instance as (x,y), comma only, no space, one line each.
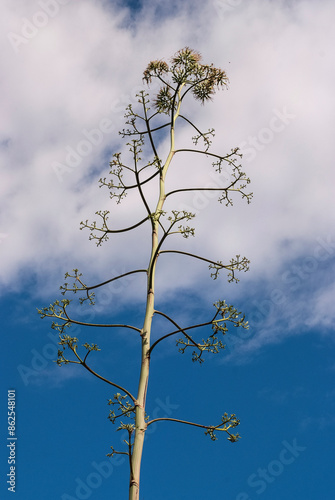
(151,129)
(226,424)
(192,255)
(235,265)
(180,421)
(107,326)
(113,231)
(87,289)
(214,427)
(114,279)
(133,185)
(196,189)
(114,452)
(207,153)
(69,320)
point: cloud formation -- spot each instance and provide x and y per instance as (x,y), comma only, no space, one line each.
(69,71)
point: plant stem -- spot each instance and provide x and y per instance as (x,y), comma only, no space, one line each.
(140,423)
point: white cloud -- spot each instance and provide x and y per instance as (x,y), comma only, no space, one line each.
(322,314)
(82,68)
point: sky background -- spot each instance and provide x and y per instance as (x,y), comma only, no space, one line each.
(67,68)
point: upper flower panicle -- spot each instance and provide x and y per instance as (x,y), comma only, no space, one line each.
(185,69)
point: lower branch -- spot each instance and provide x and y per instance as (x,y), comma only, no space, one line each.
(109,382)
(82,323)
(71,343)
(225,425)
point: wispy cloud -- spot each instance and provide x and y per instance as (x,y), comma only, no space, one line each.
(52,375)
(317,422)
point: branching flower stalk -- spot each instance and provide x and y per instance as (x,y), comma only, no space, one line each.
(185,76)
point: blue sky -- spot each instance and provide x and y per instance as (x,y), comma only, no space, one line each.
(71,71)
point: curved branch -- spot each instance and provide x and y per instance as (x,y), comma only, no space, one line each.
(149,130)
(152,130)
(207,153)
(88,288)
(109,382)
(122,230)
(124,413)
(207,77)
(226,424)
(145,203)
(105,230)
(135,185)
(97,324)
(83,363)
(165,83)
(180,330)
(113,279)
(114,452)
(106,326)
(193,255)
(196,189)
(165,235)
(192,124)
(186,422)
(143,182)
(194,84)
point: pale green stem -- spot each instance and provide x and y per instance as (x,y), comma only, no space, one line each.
(140,423)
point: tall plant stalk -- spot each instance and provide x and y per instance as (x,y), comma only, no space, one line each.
(185,76)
